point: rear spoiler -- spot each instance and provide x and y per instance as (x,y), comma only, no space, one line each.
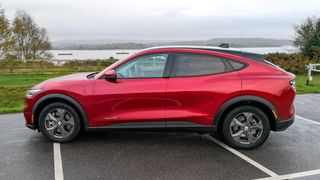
(224,45)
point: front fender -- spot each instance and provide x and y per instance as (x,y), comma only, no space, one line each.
(55,96)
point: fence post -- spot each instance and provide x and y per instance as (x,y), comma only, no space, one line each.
(309,80)
(41,65)
(99,66)
(11,65)
(79,66)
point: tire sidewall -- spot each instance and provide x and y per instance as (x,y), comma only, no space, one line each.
(46,110)
(227,122)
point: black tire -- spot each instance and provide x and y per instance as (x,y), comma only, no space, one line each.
(70,112)
(229,125)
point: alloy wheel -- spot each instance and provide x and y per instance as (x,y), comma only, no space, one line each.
(59,123)
(246,128)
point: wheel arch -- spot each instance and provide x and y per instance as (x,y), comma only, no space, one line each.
(256,101)
(50,98)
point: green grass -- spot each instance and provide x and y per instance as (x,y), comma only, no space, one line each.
(25,79)
(12,98)
(13,88)
(302,88)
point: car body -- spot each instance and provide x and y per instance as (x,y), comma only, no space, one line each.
(178,88)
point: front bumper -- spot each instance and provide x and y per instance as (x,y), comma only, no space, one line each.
(27,112)
(31,126)
(284,124)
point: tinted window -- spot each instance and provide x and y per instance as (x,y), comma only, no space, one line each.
(236,65)
(197,65)
(149,66)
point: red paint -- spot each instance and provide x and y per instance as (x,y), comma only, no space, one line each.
(193,99)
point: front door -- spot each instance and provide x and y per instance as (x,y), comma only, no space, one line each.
(137,97)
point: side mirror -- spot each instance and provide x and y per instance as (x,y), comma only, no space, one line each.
(110,75)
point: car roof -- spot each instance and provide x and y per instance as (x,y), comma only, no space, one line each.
(233,51)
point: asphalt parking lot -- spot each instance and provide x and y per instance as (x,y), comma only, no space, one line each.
(294,153)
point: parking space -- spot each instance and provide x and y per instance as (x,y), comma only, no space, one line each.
(308,106)
(151,155)
(295,150)
(24,154)
(133,155)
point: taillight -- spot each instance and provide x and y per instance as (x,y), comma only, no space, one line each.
(293,84)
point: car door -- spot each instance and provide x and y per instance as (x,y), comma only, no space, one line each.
(137,97)
(197,86)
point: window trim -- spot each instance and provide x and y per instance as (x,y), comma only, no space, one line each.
(167,66)
(223,60)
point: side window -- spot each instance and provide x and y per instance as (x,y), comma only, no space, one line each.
(236,65)
(197,65)
(149,66)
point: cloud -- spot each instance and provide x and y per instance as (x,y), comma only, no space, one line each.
(166,19)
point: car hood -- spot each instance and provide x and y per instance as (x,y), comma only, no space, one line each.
(63,80)
(71,77)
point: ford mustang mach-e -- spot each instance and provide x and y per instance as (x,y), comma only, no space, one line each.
(181,88)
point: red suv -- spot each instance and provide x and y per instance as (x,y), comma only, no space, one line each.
(197,89)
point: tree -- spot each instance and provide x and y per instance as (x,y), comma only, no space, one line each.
(5,34)
(307,38)
(30,41)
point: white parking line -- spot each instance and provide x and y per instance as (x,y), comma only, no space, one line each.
(293,175)
(58,171)
(244,157)
(309,120)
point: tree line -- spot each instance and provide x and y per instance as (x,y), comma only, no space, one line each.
(22,38)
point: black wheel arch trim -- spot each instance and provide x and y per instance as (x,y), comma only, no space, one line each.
(71,100)
(240,99)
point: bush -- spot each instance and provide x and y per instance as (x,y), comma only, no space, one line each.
(96,63)
(307,38)
(47,66)
(294,63)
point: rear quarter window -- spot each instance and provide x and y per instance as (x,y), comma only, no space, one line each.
(236,65)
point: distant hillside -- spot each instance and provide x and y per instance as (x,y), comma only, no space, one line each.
(240,42)
(252,42)
(234,42)
(101,46)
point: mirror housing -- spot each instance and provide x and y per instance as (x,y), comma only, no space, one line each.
(110,75)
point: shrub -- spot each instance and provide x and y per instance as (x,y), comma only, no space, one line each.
(294,63)
(47,66)
(307,38)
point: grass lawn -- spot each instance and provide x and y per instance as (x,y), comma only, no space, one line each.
(302,88)
(13,88)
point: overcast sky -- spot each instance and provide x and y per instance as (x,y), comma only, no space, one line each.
(165,19)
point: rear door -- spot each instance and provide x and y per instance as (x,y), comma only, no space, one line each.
(197,86)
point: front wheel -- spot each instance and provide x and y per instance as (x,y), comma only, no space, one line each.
(59,122)
(246,127)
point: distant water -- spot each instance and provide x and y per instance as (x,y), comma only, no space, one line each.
(121,53)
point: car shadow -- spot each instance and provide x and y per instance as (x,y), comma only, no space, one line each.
(144,138)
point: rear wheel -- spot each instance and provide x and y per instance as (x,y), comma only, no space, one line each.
(59,122)
(246,127)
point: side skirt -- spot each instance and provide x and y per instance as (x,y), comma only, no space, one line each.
(170,126)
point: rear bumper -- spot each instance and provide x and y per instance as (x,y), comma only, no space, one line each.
(284,124)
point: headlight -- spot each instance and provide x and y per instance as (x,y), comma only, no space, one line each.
(33,92)
(293,84)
